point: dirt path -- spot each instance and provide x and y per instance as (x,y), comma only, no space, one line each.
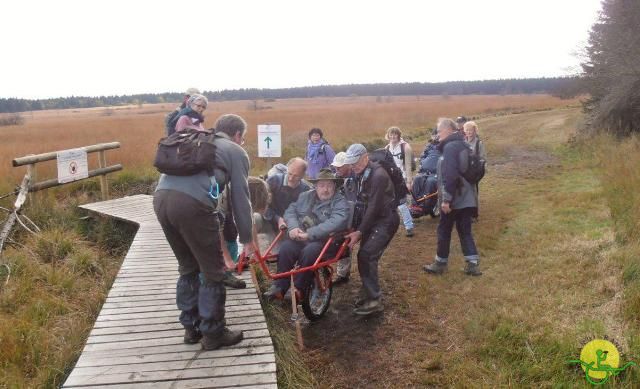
(442,331)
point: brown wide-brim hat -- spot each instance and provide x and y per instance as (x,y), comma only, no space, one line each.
(327,175)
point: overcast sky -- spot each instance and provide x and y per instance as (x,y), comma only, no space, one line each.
(55,48)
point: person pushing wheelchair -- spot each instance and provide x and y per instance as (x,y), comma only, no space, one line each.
(309,220)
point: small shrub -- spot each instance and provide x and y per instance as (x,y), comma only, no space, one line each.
(14,119)
(54,245)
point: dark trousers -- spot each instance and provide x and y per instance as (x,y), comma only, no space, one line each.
(372,247)
(462,220)
(192,230)
(303,253)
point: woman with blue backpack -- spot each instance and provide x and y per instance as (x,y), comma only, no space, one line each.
(319,153)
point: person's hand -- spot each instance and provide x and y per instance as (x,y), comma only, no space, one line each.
(445,208)
(409,187)
(249,248)
(282,225)
(355,237)
(303,236)
(293,234)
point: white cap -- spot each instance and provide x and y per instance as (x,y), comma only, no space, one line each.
(338,160)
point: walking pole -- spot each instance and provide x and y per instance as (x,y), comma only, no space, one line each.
(294,315)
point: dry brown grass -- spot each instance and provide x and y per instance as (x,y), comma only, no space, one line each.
(343,120)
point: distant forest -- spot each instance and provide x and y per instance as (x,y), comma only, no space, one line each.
(559,86)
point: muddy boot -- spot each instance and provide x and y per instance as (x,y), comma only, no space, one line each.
(436,267)
(226,338)
(472,269)
(232,281)
(192,335)
(369,307)
(273,293)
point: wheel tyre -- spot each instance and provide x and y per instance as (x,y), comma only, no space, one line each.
(315,303)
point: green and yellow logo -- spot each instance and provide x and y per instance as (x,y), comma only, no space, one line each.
(600,360)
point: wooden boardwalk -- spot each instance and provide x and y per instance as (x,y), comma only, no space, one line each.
(136,341)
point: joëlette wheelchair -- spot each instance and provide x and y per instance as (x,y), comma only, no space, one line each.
(317,297)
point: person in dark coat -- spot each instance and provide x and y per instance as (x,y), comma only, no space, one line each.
(458,200)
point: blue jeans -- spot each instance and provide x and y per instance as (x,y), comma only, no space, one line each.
(407,219)
(462,220)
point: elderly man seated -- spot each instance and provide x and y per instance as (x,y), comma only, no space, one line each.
(310,219)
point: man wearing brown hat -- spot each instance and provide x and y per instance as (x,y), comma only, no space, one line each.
(310,219)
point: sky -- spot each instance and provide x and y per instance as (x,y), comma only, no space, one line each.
(57,48)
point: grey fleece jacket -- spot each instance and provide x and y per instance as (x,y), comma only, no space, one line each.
(236,162)
(330,215)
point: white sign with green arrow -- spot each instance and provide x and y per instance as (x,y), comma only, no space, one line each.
(269,140)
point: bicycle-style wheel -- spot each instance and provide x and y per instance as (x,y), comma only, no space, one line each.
(317,297)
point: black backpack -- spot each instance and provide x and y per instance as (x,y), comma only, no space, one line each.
(385,159)
(170,121)
(186,153)
(472,167)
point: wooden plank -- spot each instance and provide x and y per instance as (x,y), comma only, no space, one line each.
(246,344)
(176,338)
(149,304)
(239,381)
(176,364)
(147,327)
(171,318)
(100,360)
(225,371)
(174,329)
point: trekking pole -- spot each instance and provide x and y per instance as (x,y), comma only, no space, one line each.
(294,315)
(423,198)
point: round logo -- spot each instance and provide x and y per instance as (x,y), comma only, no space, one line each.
(600,354)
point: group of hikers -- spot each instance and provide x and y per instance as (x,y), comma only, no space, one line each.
(204,213)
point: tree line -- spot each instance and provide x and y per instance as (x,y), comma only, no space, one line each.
(611,69)
(555,85)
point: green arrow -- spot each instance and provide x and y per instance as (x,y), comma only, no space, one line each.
(268,140)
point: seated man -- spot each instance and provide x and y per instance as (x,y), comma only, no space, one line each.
(316,214)
(285,189)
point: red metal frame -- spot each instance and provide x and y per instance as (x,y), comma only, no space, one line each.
(262,259)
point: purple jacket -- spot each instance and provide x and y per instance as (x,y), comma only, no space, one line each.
(319,155)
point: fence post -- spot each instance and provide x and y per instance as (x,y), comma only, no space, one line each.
(31,171)
(104,188)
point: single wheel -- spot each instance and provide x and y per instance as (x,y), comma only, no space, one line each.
(317,297)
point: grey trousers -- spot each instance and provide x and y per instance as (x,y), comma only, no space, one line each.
(372,247)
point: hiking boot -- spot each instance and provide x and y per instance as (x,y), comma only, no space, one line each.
(341,280)
(472,269)
(360,301)
(369,307)
(436,267)
(192,335)
(226,338)
(232,281)
(409,233)
(273,293)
